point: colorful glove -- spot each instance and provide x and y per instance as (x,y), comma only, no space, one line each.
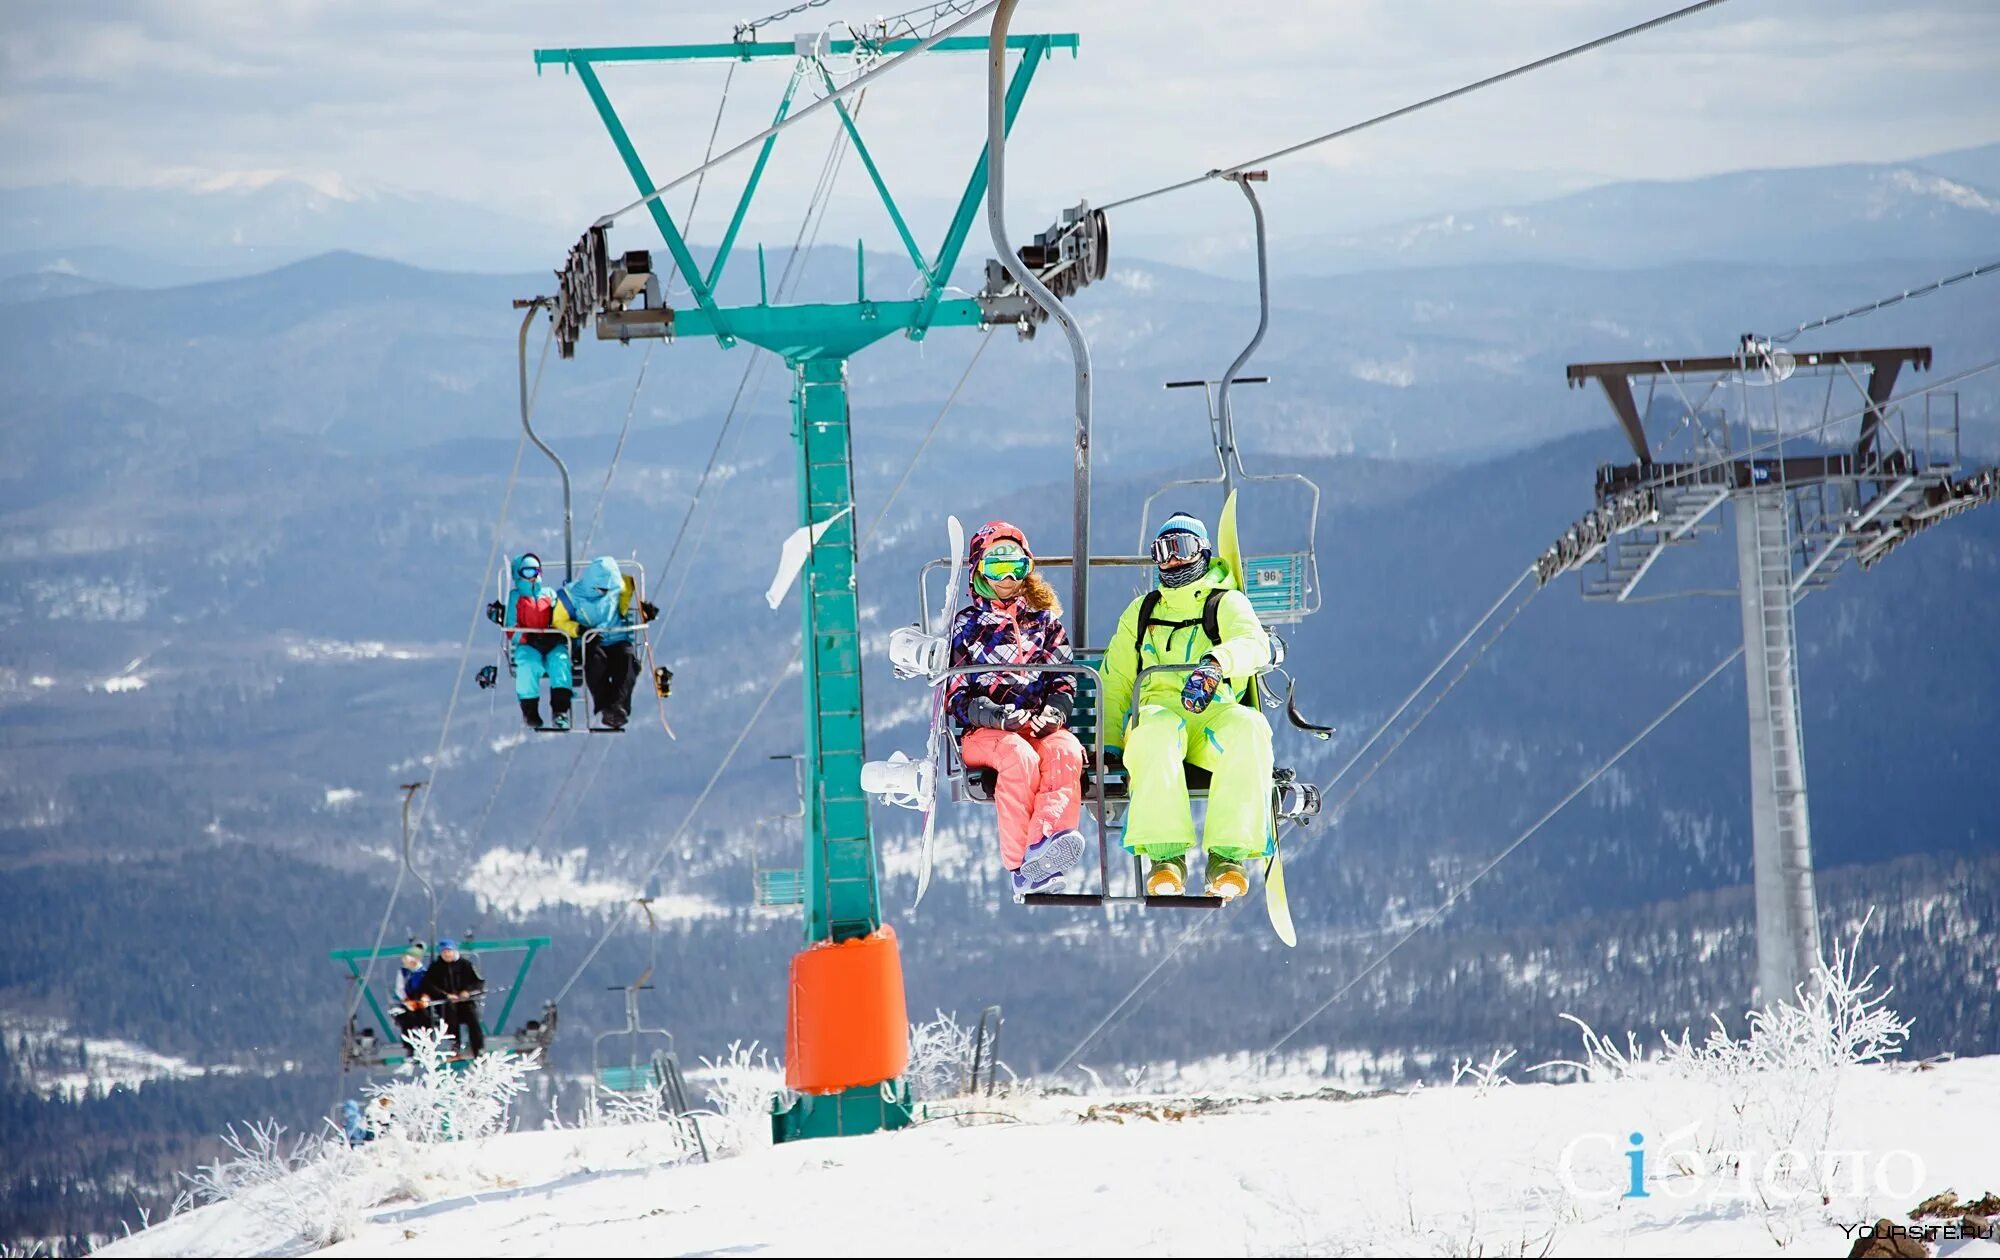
(487,676)
(496,612)
(985,711)
(1201,685)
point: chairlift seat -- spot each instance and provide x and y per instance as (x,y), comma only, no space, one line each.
(1276,585)
(628,1080)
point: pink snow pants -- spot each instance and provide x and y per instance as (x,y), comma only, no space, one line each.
(1039,791)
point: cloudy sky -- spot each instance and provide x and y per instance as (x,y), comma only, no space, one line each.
(442,99)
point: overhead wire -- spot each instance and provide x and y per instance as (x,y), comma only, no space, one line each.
(1426,103)
(1869,308)
(876,71)
(754,371)
(694,204)
(1340,806)
(1684,474)
(437,762)
(1431,677)
(1460,892)
(778,679)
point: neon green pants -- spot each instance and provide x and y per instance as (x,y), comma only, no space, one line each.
(1230,741)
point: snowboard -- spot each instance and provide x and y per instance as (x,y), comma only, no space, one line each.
(1277,905)
(934,748)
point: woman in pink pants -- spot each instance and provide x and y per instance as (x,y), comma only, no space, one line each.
(1015,721)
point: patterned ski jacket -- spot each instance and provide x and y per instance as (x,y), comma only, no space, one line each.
(1005,632)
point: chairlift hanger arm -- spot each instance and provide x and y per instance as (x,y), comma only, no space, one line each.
(1225,419)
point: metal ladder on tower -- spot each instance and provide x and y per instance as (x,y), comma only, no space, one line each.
(1776,644)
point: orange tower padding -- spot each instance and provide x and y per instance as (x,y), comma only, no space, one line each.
(848,1024)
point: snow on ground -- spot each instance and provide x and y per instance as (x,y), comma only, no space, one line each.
(107,1063)
(513,882)
(1472,1169)
(345,652)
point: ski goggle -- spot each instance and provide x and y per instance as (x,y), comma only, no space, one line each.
(998,569)
(529,571)
(1177,547)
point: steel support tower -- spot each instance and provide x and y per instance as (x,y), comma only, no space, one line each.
(621,297)
(1799,518)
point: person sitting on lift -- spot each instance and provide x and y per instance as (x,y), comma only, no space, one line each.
(457,983)
(416,1012)
(1017,722)
(1197,617)
(530,608)
(601,599)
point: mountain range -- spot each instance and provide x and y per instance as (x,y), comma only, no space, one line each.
(249,521)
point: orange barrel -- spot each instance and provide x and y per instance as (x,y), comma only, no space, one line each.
(847,1023)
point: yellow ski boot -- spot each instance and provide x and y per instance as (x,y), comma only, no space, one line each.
(1226,878)
(1167,878)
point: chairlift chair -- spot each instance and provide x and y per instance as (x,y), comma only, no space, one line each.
(362,1047)
(579,648)
(1283,586)
(1104,787)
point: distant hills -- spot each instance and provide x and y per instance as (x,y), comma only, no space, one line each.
(188,229)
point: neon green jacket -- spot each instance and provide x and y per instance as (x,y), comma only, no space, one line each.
(1244,649)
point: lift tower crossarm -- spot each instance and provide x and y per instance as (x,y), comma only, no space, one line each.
(755,324)
(751,50)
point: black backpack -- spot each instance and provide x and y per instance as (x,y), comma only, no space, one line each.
(1210,622)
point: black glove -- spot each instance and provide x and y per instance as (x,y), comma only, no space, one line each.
(496,612)
(649,611)
(984,711)
(1052,716)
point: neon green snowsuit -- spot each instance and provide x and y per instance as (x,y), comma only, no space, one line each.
(1230,739)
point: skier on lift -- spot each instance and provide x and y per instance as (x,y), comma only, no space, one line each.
(537,645)
(1197,617)
(601,599)
(1017,722)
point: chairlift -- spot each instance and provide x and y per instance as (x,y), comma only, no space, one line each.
(1105,790)
(781,887)
(647,1067)
(1284,586)
(489,676)
(361,1047)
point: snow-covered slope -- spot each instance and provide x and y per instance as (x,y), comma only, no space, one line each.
(1467,1170)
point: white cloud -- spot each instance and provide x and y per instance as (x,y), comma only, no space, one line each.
(445,100)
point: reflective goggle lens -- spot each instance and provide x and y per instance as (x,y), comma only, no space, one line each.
(996,570)
(529,570)
(1176,546)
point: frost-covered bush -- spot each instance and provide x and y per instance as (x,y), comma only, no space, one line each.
(312,1188)
(438,1103)
(317,1188)
(940,1058)
(1773,1089)
(743,1087)
(672,1137)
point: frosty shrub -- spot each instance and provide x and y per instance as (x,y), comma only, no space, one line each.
(437,1104)
(652,1107)
(940,1058)
(1482,1077)
(742,1088)
(313,1188)
(1774,1088)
